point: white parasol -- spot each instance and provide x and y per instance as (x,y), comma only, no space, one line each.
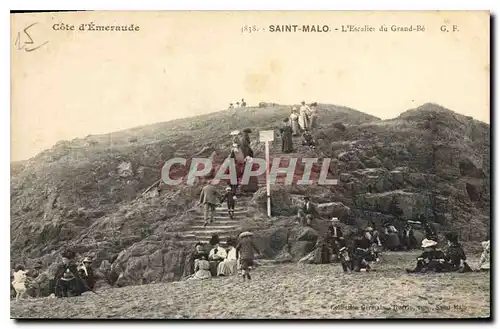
(244,234)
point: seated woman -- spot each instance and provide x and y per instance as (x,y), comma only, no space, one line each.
(229,265)
(455,255)
(484,261)
(192,259)
(319,255)
(202,269)
(432,259)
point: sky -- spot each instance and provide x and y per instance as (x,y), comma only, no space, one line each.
(189,63)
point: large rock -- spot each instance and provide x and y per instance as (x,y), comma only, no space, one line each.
(334,209)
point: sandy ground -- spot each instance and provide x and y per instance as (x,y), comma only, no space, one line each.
(286,291)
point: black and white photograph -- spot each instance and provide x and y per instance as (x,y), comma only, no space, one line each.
(250,165)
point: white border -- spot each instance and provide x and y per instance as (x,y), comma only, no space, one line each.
(7,5)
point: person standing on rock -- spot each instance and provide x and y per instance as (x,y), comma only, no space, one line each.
(208,198)
(286,137)
(245,252)
(294,119)
(307,213)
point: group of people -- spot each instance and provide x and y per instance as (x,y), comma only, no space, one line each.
(299,123)
(238,104)
(70,279)
(362,247)
(237,255)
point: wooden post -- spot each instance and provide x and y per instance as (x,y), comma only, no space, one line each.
(268,183)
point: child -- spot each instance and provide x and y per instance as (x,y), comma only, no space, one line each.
(230,198)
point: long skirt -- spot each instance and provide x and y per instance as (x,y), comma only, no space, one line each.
(227,268)
(313,121)
(286,143)
(200,275)
(295,128)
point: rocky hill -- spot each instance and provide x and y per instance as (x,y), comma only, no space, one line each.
(87,193)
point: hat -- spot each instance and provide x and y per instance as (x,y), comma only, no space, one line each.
(307,198)
(38,265)
(426,243)
(247,130)
(451,236)
(335,219)
(234,132)
(294,109)
(369,229)
(342,249)
(303,102)
(245,234)
(87,260)
(286,119)
(228,189)
(214,239)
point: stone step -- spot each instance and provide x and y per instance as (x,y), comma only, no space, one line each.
(194,237)
(200,216)
(226,221)
(215,227)
(209,232)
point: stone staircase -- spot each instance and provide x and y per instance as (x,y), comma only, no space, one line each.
(222,225)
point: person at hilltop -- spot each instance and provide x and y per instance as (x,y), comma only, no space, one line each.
(294,119)
(208,198)
(304,116)
(229,265)
(286,137)
(313,116)
(230,198)
(455,259)
(245,252)
(484,261)
(231,106)
(243,103)
(307,212)
(432,259)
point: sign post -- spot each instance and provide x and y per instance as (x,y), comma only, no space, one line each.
(267,136)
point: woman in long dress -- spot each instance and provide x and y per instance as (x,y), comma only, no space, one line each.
(313,116)
(304,117)
(294,118)
(286,137)
(202,269)
(245,144)
(229,265)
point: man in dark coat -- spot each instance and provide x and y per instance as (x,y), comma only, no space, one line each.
(455,254)
(208,198)
(307,212)
(86,272)
(230,197)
